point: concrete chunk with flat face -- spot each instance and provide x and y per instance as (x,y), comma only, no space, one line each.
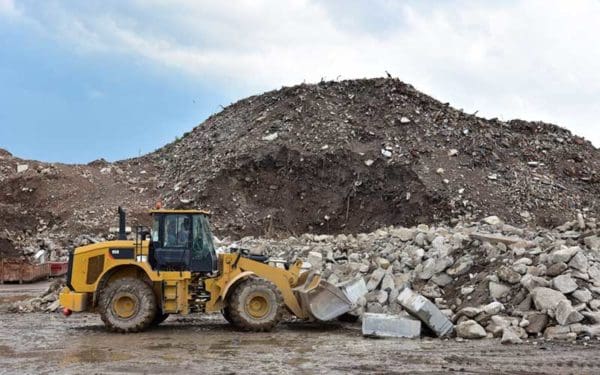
(427,311)
(383,325)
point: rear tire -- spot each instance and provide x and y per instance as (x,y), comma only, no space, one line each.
(255,305)
(127,305)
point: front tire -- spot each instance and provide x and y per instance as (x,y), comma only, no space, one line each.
(255,305)
(159,318)
(127,305)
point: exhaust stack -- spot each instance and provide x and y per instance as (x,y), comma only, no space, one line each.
(122,233)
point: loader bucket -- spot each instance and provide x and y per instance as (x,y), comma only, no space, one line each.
(324,301)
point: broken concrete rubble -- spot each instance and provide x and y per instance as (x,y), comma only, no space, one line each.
(383,325)
(425,310)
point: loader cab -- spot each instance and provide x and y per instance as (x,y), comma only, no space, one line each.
(182,241)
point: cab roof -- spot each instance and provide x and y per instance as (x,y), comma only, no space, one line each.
(164,211)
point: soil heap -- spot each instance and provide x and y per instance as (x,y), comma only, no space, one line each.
(353,156)
(334,157)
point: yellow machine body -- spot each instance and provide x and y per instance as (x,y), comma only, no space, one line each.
(94,266)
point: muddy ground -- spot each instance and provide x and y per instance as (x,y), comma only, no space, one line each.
(50,343)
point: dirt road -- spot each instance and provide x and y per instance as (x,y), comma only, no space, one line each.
(49,343)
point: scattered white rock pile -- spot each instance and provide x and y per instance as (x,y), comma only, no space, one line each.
(47,302)
(490,278)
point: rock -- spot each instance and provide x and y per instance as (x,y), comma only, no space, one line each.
(498,290)
(594,273)
(579,262)
(374,307)
(524,261)
(414,256)
(270,137)
(564,284)
(470,329)
(442,263)
(493,308)
(507,274)
(559,333)
(382,325)
(22,168)
(387,283)
(592,242)
(375,279)
(469,312)
(525,305)
(54,306)
(521,269)
(546,299)
(564,254)
(498,324)
(492,238)
(426,270)
(383,263)
(537,322)
(565,313)
(594,304)
(404,234)
(466,290)
(556,269)
(461,267)
(510,336)
(431,291)
(316,260)
(582,295)
(441,279)
(493,220)
(531,282)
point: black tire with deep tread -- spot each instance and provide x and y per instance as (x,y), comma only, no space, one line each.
(236,306)
(159,318)
(227,314)
(146,301)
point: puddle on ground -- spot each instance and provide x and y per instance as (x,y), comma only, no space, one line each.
(92,355)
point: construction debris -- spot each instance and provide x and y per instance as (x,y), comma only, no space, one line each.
(425,310)
(445,276)
(383,325)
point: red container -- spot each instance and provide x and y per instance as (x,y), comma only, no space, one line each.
(58,268)
(23,272)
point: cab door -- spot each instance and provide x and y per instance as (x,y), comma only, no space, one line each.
(203,255)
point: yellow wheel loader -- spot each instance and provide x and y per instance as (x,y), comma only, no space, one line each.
(173,268)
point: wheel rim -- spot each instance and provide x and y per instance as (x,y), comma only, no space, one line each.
(124,305)
(257,306)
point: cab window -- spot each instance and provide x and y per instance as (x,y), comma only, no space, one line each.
(177,229)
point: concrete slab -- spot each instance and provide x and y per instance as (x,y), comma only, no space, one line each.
(427,311)
(384,325)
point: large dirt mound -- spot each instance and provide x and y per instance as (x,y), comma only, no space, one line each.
(335,157)
(353,156)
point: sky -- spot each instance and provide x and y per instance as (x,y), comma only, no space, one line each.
(113,79)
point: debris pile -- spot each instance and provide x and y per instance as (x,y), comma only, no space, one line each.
(490,278)
(47,302)
(334,157)
(354,156)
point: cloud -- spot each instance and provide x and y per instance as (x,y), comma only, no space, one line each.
(534,59)
(7,8)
